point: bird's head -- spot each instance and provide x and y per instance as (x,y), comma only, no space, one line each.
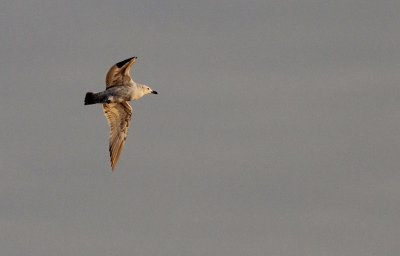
(147,90)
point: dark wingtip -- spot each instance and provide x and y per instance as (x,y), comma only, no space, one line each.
(122,63)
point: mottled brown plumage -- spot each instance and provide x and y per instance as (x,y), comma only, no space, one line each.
(119,73)
(118,114)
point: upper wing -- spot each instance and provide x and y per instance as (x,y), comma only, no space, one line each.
(118,116)
(119,73)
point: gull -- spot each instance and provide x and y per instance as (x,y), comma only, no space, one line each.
(120,88)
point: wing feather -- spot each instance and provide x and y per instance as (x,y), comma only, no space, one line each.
(118,116)
(118,74)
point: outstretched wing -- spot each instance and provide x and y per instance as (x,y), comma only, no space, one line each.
(119,73)
(118,116)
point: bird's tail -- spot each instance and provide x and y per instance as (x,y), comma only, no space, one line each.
(91,98)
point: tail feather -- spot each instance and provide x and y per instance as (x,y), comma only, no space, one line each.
(90,98)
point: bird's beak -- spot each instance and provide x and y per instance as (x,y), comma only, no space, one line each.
(154,92)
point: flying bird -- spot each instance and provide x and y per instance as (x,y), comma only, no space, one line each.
(120,88)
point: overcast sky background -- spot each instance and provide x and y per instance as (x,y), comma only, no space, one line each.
(276,130)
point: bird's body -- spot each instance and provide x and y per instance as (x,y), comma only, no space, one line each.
(116,94)
(120,88)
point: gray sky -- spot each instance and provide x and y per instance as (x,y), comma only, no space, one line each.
(276,130)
